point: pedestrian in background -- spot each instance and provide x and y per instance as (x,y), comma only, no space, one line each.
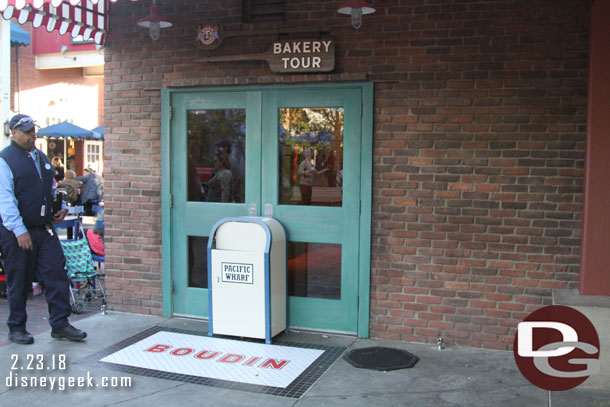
(90,190)
(70,186)
(30,246)
(59,169)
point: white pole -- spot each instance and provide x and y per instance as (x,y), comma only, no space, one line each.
(5,77)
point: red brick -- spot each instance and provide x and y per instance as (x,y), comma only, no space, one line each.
(458,146)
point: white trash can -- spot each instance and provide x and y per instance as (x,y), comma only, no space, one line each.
(247,278)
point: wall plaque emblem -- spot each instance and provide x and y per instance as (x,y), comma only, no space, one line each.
(209,36)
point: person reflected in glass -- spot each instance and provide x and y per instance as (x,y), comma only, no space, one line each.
(330,163)
(195,191)
(219,187)
(237,187)
(307,171)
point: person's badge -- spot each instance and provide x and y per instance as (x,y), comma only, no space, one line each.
(47,166)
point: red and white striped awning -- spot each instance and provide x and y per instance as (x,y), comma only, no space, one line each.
(88,18)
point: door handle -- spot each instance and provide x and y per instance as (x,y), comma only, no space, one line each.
(268,210)
(252,209)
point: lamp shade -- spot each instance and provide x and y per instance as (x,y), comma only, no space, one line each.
(347,8)
(154,22)
(356,9)
(154,17)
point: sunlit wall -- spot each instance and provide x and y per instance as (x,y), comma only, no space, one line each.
(60,102)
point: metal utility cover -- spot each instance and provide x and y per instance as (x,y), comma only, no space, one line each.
(381,358)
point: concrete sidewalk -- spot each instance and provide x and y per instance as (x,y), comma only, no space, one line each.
(452,377)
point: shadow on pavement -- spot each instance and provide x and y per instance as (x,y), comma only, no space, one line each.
(38,315)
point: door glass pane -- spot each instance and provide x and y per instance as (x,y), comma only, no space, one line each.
(216,159)
(311,156)
(314,270)
(198,261)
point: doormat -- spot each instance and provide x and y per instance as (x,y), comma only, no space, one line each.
(381,358)
(285,369)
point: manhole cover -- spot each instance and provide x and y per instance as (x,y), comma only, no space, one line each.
(380,358)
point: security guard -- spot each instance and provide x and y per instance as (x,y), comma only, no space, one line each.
(28,240)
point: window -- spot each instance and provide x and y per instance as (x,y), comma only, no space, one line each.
(93,156)
(81,40)
(263,10)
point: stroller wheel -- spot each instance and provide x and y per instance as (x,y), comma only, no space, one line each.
(78,308)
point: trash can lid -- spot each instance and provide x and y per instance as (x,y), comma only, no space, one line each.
(249,237)
(246,233)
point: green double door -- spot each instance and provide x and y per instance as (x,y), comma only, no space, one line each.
(292,153)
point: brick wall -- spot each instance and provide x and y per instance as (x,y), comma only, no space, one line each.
(480,109)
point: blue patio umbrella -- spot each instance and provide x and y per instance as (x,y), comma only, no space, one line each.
(99,130)
(19,36)
(68,130)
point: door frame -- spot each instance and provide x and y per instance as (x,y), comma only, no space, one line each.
(366,181)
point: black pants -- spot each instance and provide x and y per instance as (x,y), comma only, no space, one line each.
(47,262)
(88,208)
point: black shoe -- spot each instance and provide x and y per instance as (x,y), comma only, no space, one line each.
(69,333)
(21,337)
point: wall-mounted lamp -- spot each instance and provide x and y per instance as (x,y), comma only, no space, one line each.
(356,9)
(154,22)
(7,129)
(64,49)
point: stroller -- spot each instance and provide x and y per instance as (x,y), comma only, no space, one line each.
(85,282)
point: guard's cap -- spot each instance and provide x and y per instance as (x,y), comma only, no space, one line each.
(22,122)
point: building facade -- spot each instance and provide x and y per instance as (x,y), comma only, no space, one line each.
(54,86)
(449,138)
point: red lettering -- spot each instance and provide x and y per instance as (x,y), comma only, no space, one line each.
(182,351)
(274,364)
(231,358)
(228,358)
(252,361)
(158,348)
(207,354)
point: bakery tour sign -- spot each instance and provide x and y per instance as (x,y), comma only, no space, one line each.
(287,56)
(302,56)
